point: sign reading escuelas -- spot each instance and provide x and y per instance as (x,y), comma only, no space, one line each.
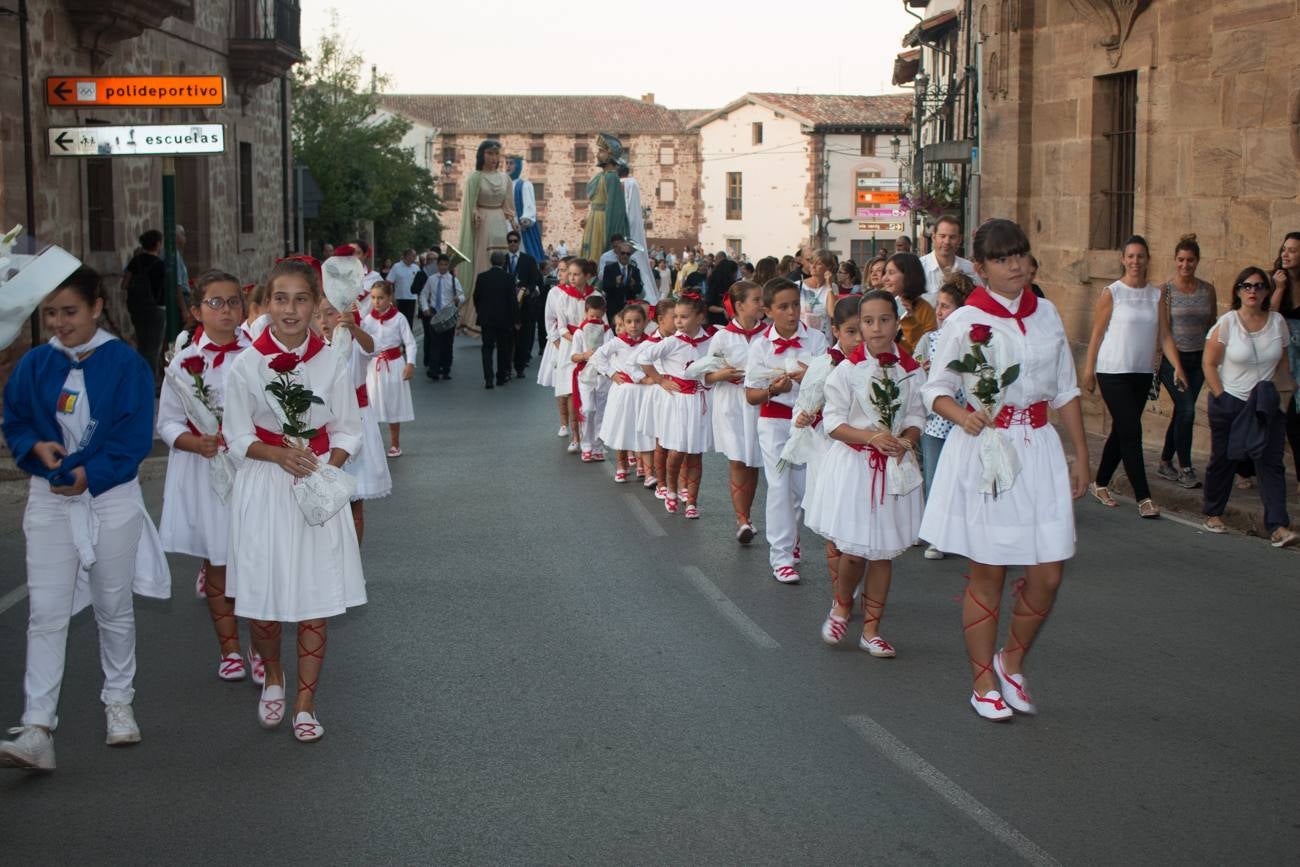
(171,139)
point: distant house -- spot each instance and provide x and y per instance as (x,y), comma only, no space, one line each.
(556,135)
(778,170)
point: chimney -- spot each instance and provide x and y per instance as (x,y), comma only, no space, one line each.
(648,97)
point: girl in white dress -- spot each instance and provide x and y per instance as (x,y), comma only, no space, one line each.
(194,520)
(280,567)
(388,381)
(683,423)
(618,429)
(78,418)
(590,388)
(568,304)
(551,325)
(735,420)
(368,465)
(1029,521)
(651,403)
(851,504)
(846,329)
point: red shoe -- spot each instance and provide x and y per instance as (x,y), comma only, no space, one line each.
(620,477)
(786,574)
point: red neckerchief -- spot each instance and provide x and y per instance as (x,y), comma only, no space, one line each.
(710,330)
(747,333)
(782,344)
(905,361)
(630,342)
(266,345)
(386,315)
(836,356)
(693,341)
(232,346)
(572,291)
(587,322)
(982,300)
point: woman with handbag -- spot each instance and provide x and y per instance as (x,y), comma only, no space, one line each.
(1129,327)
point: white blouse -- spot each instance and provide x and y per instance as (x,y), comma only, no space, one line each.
(847,403)
(171,412)
(763,359)
(562,310)
(1249,357)
(672,355)
(1043,353)
(617,356)
(389,334)
(1129,345)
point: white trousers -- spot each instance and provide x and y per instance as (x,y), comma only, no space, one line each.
(53,563)
(593,410)
(784,506)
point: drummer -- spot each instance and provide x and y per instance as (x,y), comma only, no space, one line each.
(440,295)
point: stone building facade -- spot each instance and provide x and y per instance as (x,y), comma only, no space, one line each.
(234,206)
(556,136)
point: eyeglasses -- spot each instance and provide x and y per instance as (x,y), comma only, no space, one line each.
(217,303)
(1251,287)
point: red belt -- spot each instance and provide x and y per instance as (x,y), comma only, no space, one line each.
(577,395)
(691,386)
(319,444)
(772,409)
(363,396)
(390,354)
(1035,415)
(877,460)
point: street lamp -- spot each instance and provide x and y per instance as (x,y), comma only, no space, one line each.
(895,145)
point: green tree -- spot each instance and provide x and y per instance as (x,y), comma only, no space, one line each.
(355,155)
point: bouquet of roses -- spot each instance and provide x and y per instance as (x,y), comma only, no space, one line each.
(885,396)
(205,417)
(714,361)
(328,489)
(982,380)
(802,445)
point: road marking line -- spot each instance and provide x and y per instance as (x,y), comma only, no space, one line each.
(643,515)
(729,610)
(12,598)
(906,758)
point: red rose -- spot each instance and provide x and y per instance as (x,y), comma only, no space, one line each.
(284,362)
(886,359)
(980,334)
(193,365)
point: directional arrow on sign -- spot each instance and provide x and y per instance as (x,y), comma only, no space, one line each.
(62,90)
(63,140)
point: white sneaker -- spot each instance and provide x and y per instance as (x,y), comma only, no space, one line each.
(573,448)
(933,553)
(1015,691)
(991,706)
(122,730)
(563,431)
(32,749)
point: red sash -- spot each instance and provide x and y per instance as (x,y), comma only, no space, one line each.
(1035,415)
(877,460)
(691,386)
(319,444)
(384,359)
(772,409)
(363,396)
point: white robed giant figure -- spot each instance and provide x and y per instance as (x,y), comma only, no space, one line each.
(636,234)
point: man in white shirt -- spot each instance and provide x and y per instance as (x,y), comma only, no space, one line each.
(441,290)
(402,275)
(943,258)
(610,256)
(561,250)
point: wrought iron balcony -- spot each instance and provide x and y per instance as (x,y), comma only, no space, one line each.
(264,41)
(100,25)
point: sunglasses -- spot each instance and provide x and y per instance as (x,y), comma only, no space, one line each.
(1251,287)
(217,303)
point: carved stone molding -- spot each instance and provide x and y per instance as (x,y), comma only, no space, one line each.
(1116,18)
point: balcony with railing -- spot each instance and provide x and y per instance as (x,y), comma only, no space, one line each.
(264,41)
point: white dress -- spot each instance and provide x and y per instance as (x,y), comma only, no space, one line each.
(280,567)
(735,421)
(618,428)
(194,521)
(569,311)
(849,504)
(370,462)
(592,387)
(390,395)
(647,413)
(812,470)
(1033,522)
(683,422)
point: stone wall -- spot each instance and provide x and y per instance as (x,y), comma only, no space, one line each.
(207,187)
(674,224)
(1218,105)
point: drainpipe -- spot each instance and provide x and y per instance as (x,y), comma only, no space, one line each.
(29,155)
(291,241)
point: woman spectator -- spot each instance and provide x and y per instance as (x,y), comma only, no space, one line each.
(716,288)
(1286,288)
(815,291)
(765,269)
(876,272)
(146,276)
(848,281)
(1129,327)
(1191,303)
(1247,370)
(905,279)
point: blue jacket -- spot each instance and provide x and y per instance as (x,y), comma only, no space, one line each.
(119,387)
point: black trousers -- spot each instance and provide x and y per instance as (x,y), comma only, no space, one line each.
(406,307)
(524,343)
(498,342)
(1125,395)
(150,324)
(1268,468)
(1293,434)
(438,350)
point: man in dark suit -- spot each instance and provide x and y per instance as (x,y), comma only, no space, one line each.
(621,282)
(497,306)
(528,283)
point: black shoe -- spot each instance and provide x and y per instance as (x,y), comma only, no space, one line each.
(487,385)
(431,375)
(446,376)
(519,375)
(502,381)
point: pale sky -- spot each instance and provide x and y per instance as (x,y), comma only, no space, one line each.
(689,53)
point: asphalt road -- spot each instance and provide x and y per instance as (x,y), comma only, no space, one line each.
(553,670)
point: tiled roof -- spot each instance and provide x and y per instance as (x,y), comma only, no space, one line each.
(690,115)
(484,113)
(830,110)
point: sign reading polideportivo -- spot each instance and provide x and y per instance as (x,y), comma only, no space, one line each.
(135,91)
(166,139)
